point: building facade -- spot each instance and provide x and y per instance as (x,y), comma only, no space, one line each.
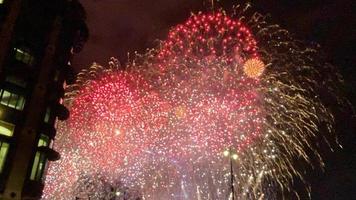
(38,39)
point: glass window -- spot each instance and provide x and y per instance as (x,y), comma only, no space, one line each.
(4,148)
(43,141)
(6,129)
(35,166)
(23,56)
(5,97)
(47,115)
(16,81)
(39,161)
(12,100)
(38,166)
(20,103)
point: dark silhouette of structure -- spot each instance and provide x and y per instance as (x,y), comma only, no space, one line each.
(37,41)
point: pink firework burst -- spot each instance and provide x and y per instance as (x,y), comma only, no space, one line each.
(210,36)
(114,118)
(200,72)
(165,126)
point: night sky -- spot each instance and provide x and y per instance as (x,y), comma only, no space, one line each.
(120,26)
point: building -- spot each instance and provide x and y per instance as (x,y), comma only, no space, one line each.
(37,41)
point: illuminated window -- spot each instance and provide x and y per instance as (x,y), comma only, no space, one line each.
(4,148)
(39,163)
(24,56)
(6,129)
(43,141)
(12,100)
(1,1)
(47,115)
(38,166)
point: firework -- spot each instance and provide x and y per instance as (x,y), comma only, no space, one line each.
(224,99)
(113,119)
(253,68)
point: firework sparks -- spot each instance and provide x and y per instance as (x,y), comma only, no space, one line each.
(163,127)
(253,68)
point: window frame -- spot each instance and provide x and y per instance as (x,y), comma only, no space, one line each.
(38,166)
(14,80)
(5,143)
(20,100)
(47,116)
(3,155)
(12,129)
(40,160)
(24,55)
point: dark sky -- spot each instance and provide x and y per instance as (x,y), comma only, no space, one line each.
(120,26)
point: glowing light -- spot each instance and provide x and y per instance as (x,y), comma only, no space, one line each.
(254,68)
(117,132)
(235,156)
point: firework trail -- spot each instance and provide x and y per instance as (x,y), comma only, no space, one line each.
(224,92)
